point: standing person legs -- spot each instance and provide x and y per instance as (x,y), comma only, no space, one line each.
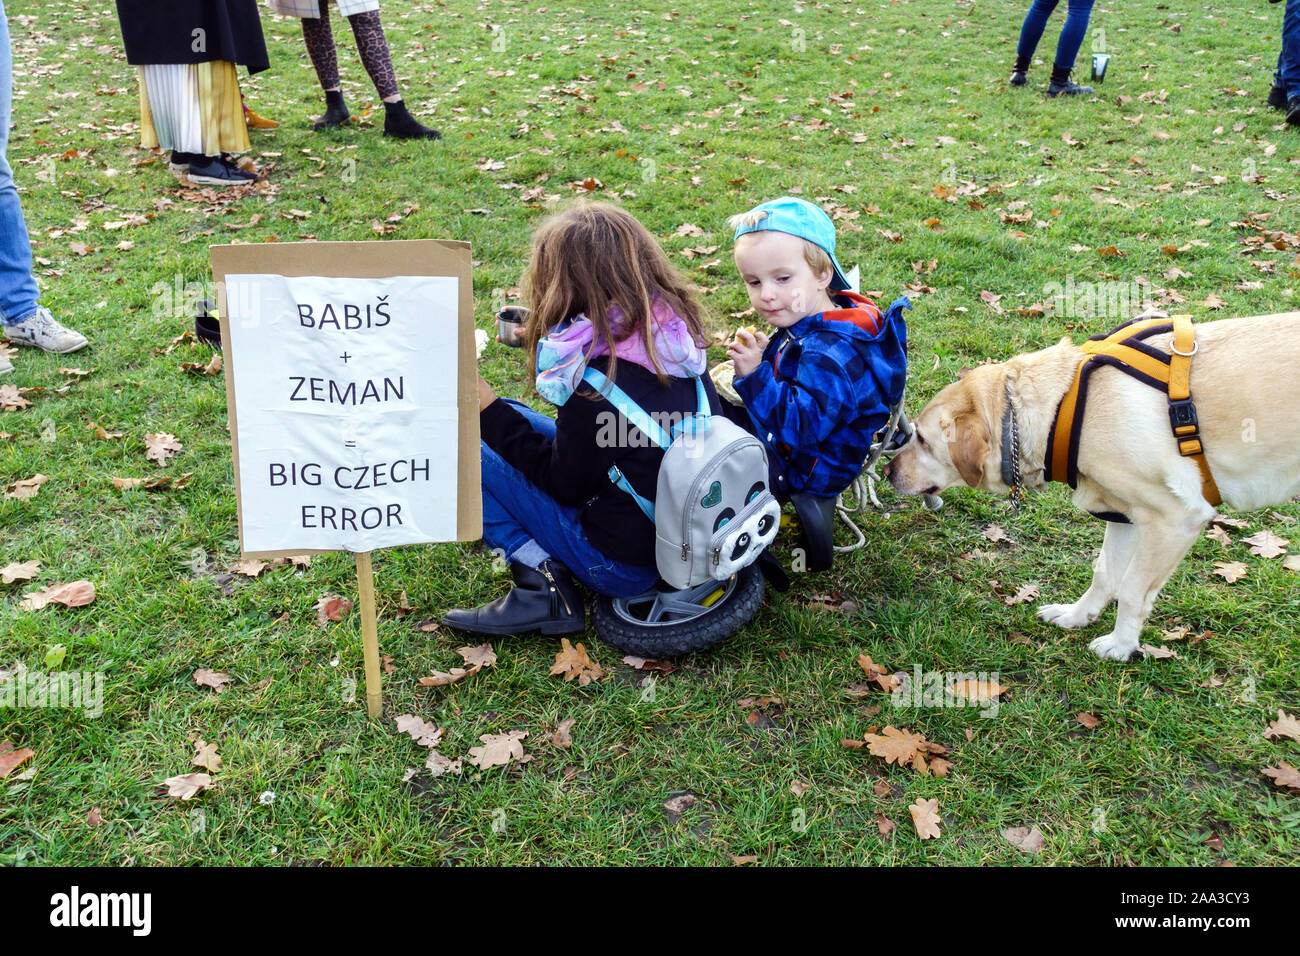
(319,38)
(1289,65)
(1031,31)
(25,321)
(373,47)
(1067,48)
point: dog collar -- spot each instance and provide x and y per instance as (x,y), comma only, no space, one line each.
(1011,452)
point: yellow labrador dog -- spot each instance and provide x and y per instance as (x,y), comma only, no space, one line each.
(1245,382)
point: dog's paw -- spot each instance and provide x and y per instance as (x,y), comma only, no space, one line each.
(1066,615)
(1111,647)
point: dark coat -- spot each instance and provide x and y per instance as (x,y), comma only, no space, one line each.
(168,31)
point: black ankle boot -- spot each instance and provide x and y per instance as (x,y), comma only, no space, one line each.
(399,123)
(1062,85)
(544,599)
(336,111)
(1277,97)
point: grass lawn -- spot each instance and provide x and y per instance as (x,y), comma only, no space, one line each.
(894,114)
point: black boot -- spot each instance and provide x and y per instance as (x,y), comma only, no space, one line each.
(544,599)
(399,123)
(1062,85)
(1293,111)
(1277,97)
(336,111)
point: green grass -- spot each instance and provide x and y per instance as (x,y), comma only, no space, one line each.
(683,117)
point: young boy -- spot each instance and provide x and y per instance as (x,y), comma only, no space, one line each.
(822,385)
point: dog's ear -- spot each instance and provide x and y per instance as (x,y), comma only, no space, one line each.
(969,447)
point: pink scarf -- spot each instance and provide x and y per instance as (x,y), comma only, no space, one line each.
(562,356)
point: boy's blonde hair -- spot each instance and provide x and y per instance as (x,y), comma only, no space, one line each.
(813,254)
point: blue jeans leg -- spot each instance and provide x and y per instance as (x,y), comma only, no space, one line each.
(18,292)
(515,510)
(1076,25)
(1031,31)
(1289,62)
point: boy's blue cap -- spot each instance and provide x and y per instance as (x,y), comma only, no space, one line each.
(798,217)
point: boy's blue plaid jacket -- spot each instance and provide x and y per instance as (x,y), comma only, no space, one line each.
(824,387)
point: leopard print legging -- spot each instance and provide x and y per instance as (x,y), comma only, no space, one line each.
(371,44)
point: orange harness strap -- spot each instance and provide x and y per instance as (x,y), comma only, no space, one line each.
(1124,348)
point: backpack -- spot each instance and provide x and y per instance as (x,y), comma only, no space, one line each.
(713,511)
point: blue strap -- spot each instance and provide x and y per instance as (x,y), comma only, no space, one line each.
(617,477)
(633,412)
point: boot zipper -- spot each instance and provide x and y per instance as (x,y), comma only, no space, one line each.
(555,590)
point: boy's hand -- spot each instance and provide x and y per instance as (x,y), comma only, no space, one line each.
(747,351)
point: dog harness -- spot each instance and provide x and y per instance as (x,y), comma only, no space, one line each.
(1125,348)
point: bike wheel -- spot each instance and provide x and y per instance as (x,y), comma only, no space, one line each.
(660,624)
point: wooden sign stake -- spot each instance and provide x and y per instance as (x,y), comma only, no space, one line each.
(369,633)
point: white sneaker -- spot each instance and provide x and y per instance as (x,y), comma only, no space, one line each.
(42,331)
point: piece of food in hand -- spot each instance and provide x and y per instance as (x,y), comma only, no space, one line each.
(723,374)
(751,329)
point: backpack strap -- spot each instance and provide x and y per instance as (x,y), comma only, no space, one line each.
(629,409)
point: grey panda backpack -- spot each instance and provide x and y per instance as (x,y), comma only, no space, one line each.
(713,512)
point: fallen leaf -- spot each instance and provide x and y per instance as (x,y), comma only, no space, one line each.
(1159,653)
(991,301)
(900,747)
(331,608)
(742,860)
(1266,544)
(213,367)
(1088,720)
(1024,839)
(476,657)
(1027,592)
(217,680)
(439,679)
(160,447)
(995,534)
(677,805)
(877,673)
(1212,301)
(94,818)
(1230,571)
(187,785)
(72,594)
(882,789)
(422,732)
(1286,725)
(11,758)
(1283,775)
(1218,534)
(573,662)
(27,487)
(885,825)
(925,817)
(1291,562)
(11,400)
(499,749)
(977,690)
(799,788)
(206,756)
(250,567)
(19,572)
(438,764)
(561,736)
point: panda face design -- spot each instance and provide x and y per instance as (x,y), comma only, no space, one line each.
(741,528)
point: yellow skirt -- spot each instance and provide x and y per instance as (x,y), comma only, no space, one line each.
(192,108)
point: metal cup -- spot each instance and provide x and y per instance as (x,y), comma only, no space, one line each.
(1099,63)
(510,322)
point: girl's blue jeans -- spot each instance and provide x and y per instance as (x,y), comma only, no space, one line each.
(1067,47)
(18,293)
(515,510)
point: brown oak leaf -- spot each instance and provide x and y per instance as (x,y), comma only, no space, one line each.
(885,825)
(877,673)
(206,756)
(476,657)
(1027,592)
(977,690)
(250,567)
(1286,725)
(1025,839)
(331,608)
(217,680)
(27,487)
(925,817)
(1283,775)
(12,758)
(72,594)
(437,764)
(499,750)
(1266,544)
(1088,720)
(561,737)
(439,679)
(1230,571)
(161,446)
(422,732)
(187,785)
(572,661)
(19,572)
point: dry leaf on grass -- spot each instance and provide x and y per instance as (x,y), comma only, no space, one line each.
(72,594)
(94,818)
(104,435)
(885,825)
(213,367)
(1283,775)
(1291,562)
(499,750)
(882,788)
(26,488)
(1025,839)
(250,567)
(994,533)
(331,608)
(1159,653)
(1088,720)
(1266,544)
(977,690)
(19,572)
(422,732)
(573,662)
(126,484)
(439,679)
(187,785)
(875,672)
(480,656)
(561,738)
(437,764)
(159,447)
(1286,725)
(905,748)
(217,680)
(742,860)
(11,400)
(1230,522)
(1027,592)
(12,758)
(645,664)
(206,756)
(799,788)
(925,817)
(1230,571)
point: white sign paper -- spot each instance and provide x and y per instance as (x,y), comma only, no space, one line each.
(346,397)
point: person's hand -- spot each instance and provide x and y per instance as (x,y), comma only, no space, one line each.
(485,394)
(747,351)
